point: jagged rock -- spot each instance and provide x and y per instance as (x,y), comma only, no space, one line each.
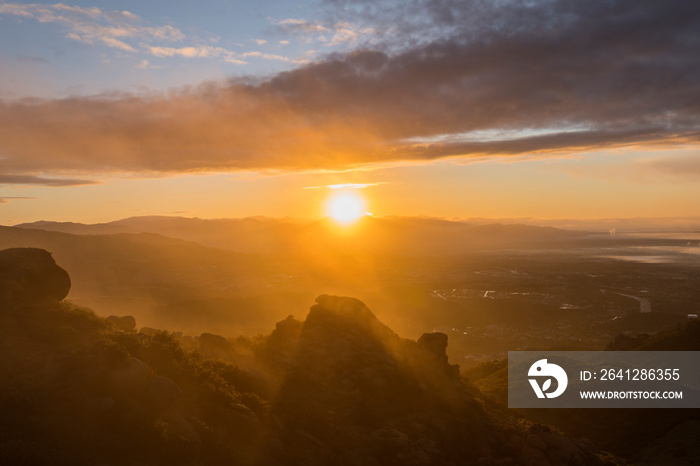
(126,323)
(435,344)
(342,305)
(288,326)
(433,356)
(30,275)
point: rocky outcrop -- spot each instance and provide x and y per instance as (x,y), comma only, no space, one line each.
(215,345)
(31,276)
(431,356)
(124,323)
(357,393)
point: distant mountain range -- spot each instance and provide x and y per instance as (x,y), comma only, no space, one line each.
(198,274)
(384,235)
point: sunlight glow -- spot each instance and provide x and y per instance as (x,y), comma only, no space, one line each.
(346,208)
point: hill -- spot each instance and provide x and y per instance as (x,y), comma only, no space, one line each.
(339,387)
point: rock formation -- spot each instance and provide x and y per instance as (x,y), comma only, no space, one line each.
(31,276)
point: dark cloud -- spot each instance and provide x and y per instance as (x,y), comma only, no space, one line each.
(561,75)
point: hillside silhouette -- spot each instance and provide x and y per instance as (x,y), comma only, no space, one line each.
(338,387)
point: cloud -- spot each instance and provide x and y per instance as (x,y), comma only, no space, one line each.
(207,51)
(499,79)
(343,32)
(202,51)
(145,64)
(684,167)
(300,26)
(124,31)
(42,181)
(6,199)
(347,33)
(95,26)
(346,185)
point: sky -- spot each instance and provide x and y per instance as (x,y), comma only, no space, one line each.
(454,109)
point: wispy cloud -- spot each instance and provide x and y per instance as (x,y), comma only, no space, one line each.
(6,179)
(145,64)
(341,32)
(6,199)
(301,26)
(348,33)
(202,51)
(126,32)
(346,185)
(677,167)
(116,29)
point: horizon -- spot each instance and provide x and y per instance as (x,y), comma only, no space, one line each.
(597,225)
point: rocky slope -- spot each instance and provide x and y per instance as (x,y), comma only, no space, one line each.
(337,388)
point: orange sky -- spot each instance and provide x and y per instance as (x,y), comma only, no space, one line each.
(505,110)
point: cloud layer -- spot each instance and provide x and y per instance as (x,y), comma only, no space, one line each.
(562,75)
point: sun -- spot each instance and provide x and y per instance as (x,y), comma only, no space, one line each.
(346,208)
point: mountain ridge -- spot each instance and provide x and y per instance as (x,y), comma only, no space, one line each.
(372,234)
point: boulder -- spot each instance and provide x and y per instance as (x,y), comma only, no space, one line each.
(125,323)
(215,345)
(30,275)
